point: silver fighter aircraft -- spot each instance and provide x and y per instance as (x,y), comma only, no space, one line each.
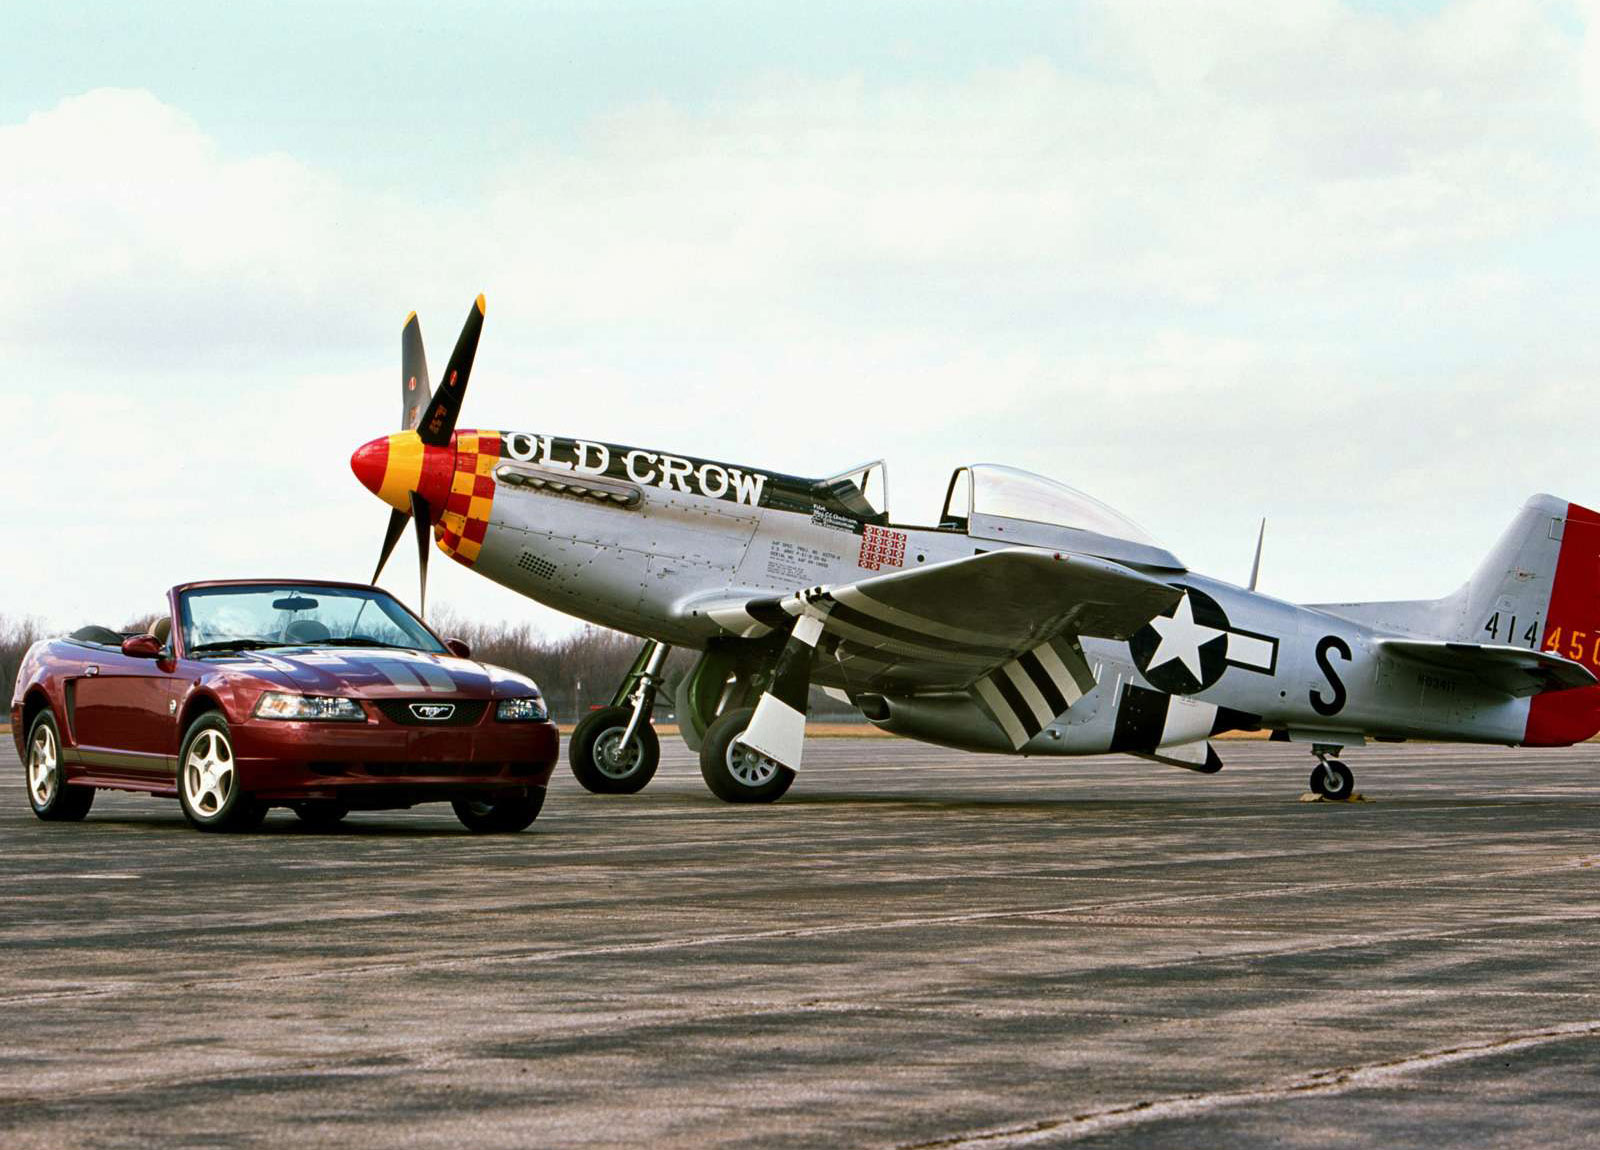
(1030,619)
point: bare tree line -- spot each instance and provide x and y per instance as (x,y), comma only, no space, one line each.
(16,636)
(576,672)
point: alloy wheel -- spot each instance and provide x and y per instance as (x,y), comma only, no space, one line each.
(208,773)
(44,765)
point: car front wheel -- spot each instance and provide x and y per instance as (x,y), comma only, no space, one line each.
(209,787)
(320,814)
(500,815)
(51,798)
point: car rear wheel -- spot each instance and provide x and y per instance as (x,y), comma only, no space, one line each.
(49,794)
(209,787)
(320,814)
(500,815)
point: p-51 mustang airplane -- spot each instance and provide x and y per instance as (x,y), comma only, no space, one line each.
(1030,619)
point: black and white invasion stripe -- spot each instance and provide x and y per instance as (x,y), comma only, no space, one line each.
(1174,728)
(1026,694)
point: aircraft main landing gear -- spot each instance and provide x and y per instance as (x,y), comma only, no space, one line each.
(615,751)
(716,701)
(1330,778)
(734,772)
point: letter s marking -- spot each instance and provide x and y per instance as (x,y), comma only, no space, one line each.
(1318,704)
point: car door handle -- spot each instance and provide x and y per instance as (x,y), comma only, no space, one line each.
(91,670)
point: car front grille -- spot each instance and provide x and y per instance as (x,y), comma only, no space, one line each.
(466,711)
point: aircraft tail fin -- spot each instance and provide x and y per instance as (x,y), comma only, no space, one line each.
(1513,597)
(1542,574)
(1538,589)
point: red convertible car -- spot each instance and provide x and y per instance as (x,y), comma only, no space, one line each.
(322,697)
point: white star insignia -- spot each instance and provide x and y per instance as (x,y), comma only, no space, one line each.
(1182,638)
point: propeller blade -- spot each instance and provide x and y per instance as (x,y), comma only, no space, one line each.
(424,520)
(445,406)
(415,390)
(397,525)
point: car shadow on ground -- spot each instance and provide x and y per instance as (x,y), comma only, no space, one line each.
(276,826)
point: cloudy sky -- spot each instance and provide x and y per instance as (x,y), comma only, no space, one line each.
(1332,263)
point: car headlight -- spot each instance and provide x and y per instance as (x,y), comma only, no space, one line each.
(309,708)
(520,711)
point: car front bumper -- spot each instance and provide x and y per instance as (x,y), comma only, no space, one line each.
(375,763)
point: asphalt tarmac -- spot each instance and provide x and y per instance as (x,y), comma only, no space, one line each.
(917,948)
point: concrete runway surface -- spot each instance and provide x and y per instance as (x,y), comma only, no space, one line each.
(916,948)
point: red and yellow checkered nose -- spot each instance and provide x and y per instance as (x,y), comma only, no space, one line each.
(396,465)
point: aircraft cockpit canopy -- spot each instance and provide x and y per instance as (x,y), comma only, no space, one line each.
(991,501)
(863,491)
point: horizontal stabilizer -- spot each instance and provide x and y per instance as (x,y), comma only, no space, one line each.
(1517,671)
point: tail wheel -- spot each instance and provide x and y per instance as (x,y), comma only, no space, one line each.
(734,772)
(1333,780)
(209,788)
(599,760)
(500,815)
(49,794)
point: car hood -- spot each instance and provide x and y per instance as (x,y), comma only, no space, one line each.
(376,673)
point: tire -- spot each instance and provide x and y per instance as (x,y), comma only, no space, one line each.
(209,787)
(502,815)
(596,763)
(320,814)
(1318,782)
(735,773)
(1338,781)
(52,798)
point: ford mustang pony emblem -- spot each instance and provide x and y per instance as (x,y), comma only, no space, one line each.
(433,712)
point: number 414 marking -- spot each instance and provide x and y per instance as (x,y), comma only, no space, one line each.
(1530,636)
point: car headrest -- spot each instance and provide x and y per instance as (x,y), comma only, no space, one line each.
(162,630)
(305,631)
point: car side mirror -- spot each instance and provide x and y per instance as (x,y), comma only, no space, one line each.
(142,647)
(459,649)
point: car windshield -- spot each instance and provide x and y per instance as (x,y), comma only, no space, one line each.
(244,618)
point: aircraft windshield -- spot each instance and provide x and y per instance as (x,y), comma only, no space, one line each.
(1013,494)
(863,491)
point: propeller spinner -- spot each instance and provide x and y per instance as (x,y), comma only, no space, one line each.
(411,470)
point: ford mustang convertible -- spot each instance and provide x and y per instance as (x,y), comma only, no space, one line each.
(322,697)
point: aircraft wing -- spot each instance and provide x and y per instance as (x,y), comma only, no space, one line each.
(1002,625)
(948,624)
(1517,671)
